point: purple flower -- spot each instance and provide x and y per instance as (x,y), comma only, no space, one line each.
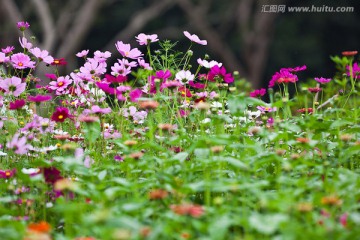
(266,109)
(126,51)
(184,76)
(97,110)
(296,69)
(118,158)
(13,86)
(22,26)
(17,104)
(22,61)
(39,98)
(258,93)
(18,144)
(161,74)
(83,53)
(322,80)
(42,55)
(144,39)
(51,174)
(194,38)
(219,73)
(8,49)
(355,70)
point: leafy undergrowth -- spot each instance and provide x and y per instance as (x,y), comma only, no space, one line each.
(164,150)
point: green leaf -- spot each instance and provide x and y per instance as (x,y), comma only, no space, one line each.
(181,156)
(267,224)
(102,175)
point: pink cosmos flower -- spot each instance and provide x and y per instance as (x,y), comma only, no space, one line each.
(184,76)
(208,64)
(258,93)
(111,79)
(13,86)
(144,64)
(266,109)
(126,51)
(17,104)
(60,114)
(122,70)
(355,71)
(322,80)
(93,67)
(343,219)
(283,76)
(8,49)
(196,85)
(98,110)
(144,39)
(60,84)
(22,26)
(25,43)
(83,53)
(51,76)
(137,116)
(219,73)
(22,61)
(194,38)
(161,74)
(3,58)
(135,94)
(101,56)
(7,173)
(18,144)
(42,55)
(106,87)
(39,98)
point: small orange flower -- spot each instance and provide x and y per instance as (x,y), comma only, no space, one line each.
(41,227)
(158,194)
(331,200)
(303,140)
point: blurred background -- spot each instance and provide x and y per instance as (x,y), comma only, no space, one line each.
(248,36)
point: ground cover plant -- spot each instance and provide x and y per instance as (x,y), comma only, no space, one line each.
(150,147)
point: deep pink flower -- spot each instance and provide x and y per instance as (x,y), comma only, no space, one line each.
(355,70)
(7,173)
(17,104)
(39,98)
(8,49)
(51,76)
(343,219)
(106,87)
(18,144)
(135,94)
(118,79)
(194,38)
(196,85)
(42,55)
(296,69)
(258,93)
(59,62)
(51,174)
(283,76)
(22,26)
(161,74)
(13,86)
(118,158)
(144,39)
(83,53)
(322,80)
(21,61)
(126,51)
(219,73)
(60,114)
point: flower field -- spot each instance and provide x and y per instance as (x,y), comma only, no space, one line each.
(152,146)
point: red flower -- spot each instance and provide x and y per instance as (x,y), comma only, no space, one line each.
(60,114)
(188,209)
(59,62)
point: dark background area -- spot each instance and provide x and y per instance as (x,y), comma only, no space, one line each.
(255,43)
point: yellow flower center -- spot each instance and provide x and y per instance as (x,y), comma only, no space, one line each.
(7,173)
(61,117)
(267,109)
(20,64)
(60,84)
(56,61)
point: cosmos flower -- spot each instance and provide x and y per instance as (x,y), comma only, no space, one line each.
(3,58)
(208,64)
(8,49)
(22,26)
(144,39)
(219,73)
(135,94)
(266,109)
(60,84)
(194,38)
(98,110)
(355,70)
(17,104)
(283,76)
(42,55)
(60,114)
(322,80)
(59,62)
(13,86)
(184,76)
(25,43)
(144,64)
(21,61)
(7,173)
(83,53)
(126,51)
(18,144)
(39,98)
(258,93)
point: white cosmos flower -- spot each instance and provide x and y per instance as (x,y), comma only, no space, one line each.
(184,76)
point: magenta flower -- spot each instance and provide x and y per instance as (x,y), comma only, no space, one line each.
(219,73)
(161,74)
(3,58)
(25,43)
(42,55)
(39,98)
(13,86)
(144,64)
(51,174)
(194,38)
(106,87)
(83,53)
(18,144)
(314,90)
(208,64)
(51,76)
(126,51)
(22,61)
(322,80)
(8,49)
(355,70)
(297,69)
(17,104)
(135,94)
(172,84)
(283,76)
(144,39)
(196,85)
(184,76)
(258,93)
(60,114)
(266,109)
(118,79)
(7,173)
(22,26)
